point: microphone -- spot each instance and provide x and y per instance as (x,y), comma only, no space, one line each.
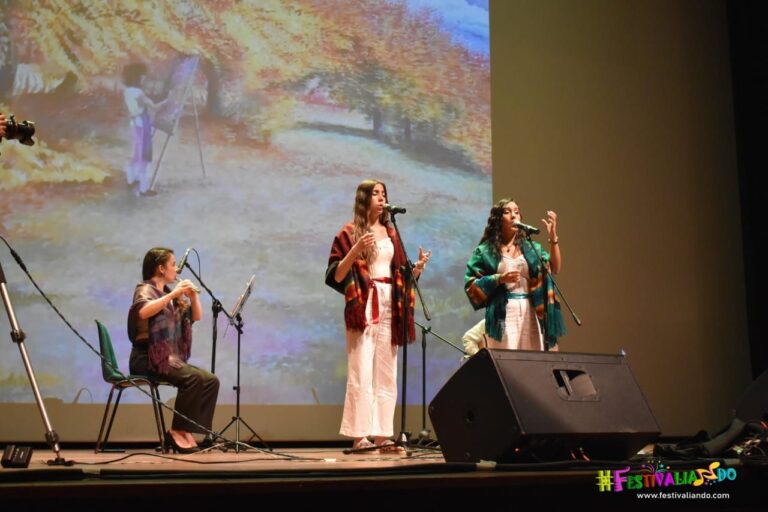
(394,209)
(528,229)
(183,261)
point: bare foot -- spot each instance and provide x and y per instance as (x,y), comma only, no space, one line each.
(386,445)
(361,442)
(181,438)
(190,438)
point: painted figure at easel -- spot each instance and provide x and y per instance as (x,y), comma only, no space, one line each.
(139,108)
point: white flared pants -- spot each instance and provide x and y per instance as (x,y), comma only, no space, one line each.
(369,406)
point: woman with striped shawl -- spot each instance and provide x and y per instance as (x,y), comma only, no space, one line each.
(504,277)
(160,329)
(365,266)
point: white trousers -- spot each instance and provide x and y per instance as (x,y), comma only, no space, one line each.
(137,168)
(521,328)
(369,406)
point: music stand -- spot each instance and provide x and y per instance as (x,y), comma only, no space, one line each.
(237,322)
(241,301)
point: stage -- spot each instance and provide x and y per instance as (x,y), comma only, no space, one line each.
(147,477)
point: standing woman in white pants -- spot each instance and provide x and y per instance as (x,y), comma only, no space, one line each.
(364,266)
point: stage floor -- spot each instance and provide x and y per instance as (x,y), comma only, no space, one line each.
(145,477)
(249,461)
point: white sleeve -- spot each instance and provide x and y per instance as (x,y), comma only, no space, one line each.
(474,339)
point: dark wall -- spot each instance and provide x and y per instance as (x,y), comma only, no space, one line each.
(749,58)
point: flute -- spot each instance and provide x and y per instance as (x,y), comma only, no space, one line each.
(195,288)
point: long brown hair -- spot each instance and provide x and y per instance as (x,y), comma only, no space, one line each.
(360,213)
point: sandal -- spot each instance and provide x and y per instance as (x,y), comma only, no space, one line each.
(390,447)
(365,446)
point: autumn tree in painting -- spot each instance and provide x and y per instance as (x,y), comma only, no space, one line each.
(375,57)
(385,61)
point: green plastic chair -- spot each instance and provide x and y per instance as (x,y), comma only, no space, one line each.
(113,376)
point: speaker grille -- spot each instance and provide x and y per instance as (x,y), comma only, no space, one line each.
(502,405)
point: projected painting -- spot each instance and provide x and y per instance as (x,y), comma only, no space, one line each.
(264,117)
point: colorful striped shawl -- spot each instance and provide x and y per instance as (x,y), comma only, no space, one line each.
(170,330)
(357,284)
(484,290)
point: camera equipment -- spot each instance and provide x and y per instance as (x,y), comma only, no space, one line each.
(21,131)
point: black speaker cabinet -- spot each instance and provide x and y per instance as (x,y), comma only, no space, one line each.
(513,405)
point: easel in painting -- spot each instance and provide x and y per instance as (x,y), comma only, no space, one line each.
(169,114)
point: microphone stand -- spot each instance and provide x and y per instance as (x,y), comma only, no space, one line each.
(18,336)
(407,269)
(217,308)
(425,434)
(544,270)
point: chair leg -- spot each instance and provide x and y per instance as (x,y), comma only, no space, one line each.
(159,421)
(112,418)
(160,410)
(104,420)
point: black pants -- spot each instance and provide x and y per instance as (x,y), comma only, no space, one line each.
(198,390)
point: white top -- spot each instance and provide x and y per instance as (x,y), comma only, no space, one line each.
(521,329)
(508,264)
(475,339)
(381,265)
(134,99)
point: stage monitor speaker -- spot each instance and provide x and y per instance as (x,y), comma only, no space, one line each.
(514,405)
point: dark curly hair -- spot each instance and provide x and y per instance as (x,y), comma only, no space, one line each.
(493,228)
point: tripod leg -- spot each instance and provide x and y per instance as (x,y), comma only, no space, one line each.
(18,336)
(256,435)
(234,418)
